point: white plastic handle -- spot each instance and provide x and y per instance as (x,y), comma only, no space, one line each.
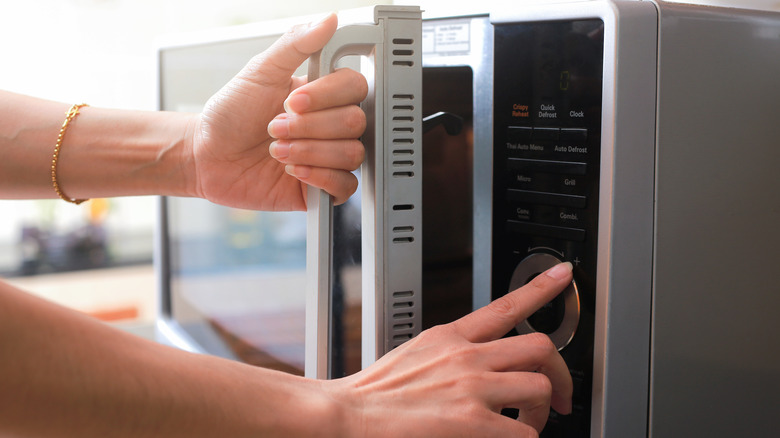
(386,134)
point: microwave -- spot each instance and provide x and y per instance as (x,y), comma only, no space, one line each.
(635,139)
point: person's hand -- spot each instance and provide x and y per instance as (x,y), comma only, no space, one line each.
(453,380)
(317,135)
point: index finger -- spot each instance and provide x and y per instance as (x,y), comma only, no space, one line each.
(499,317)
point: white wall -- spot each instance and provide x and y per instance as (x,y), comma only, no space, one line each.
(101,51)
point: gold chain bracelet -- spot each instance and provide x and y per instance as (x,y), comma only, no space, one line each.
(69,116)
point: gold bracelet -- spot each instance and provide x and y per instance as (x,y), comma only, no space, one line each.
(69,116)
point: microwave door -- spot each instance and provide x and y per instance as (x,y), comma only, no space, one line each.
(390,257)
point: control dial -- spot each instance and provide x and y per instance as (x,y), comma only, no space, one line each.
(560,317)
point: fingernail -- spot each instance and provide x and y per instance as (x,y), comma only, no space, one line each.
(280,149)
(560,270)
(300,172)
(297,103)
(279,127)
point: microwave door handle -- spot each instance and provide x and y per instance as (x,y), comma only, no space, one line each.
(319,217)
(403,25)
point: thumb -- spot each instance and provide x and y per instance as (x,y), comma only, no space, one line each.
(280,61)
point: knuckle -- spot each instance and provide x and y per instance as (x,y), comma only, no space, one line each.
(540,282)
(474,410)
(453,353)
(437,332)
(539,389)
(542,342)
(356,81)
(449,345)
(543,385)
(529,432)
(341,185)
(468,383)
(355,153)
(504,308)
(330,179)
(299,151)
(355,121)
(361,86)
(352,185)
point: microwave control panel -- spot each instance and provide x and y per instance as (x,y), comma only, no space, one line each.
(547,136)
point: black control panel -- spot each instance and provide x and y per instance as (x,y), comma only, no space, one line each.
(547,135)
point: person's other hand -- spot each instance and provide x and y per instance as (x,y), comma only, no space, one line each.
(317,133)
(453,380)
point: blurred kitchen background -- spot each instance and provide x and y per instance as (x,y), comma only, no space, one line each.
(97,257)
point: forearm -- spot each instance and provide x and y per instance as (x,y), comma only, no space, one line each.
(66,374)
(104,152)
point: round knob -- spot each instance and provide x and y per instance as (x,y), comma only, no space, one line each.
(560,317)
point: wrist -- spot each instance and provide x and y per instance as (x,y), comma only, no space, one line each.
(177,157)
(345,409)
(126,153)
(326,409)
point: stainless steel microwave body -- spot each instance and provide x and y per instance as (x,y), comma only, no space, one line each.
(636,139)
(655,176)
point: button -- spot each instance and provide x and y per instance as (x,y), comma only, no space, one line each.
(547,111)
(546,134)
(547,214)
(521,180)
(572,201)
(581,390)
(532,229)
(559,327)
(577,115)
(519,134)
(547,166)
(549,317)
(546,182)
(518,139)
(577,136)
(573,141)
(521,212)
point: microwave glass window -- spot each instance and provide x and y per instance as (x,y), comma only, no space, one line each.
(346,289)
(236,278)
(447,196)
(237,281)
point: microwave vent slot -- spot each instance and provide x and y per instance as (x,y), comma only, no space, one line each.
(403,56)
(403,326)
